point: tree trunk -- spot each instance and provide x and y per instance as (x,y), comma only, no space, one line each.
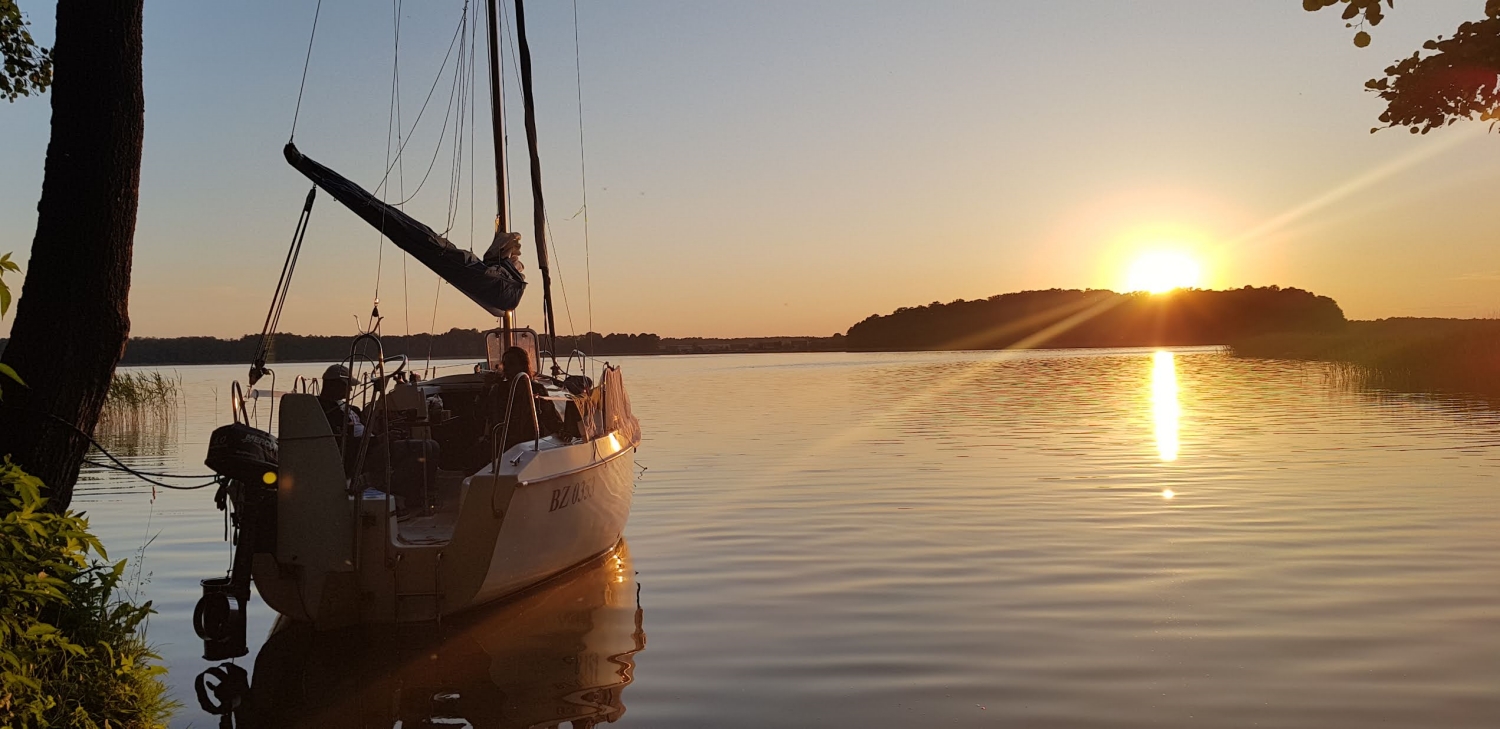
(71,319)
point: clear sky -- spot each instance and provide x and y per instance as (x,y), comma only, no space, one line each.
(792,167)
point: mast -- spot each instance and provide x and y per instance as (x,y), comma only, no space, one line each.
(538,209)
(497,120)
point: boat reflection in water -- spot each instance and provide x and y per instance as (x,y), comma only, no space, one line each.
(562,652)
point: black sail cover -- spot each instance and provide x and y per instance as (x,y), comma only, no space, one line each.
(497,287)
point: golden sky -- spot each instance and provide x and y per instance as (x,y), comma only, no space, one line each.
(762,169)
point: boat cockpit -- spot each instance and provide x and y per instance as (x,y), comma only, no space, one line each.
(423,440)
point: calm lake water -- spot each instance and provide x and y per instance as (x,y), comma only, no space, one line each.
(1108,538)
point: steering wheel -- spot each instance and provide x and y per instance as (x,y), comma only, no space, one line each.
(399,368)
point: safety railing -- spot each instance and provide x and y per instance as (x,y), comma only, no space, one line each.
(503,427)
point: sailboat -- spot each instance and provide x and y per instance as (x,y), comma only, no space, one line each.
(320,530)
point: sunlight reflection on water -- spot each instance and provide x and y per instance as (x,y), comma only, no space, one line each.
(1165,410)
(819,541)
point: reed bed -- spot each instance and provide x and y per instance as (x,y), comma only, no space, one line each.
(140,401)
(1460,356)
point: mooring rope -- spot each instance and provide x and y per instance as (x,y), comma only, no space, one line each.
(119,465)
(138,472)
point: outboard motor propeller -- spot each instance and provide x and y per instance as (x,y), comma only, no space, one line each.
(219,619)
(247,462)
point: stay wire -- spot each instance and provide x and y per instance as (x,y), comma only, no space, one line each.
(305,63)
(436,152)
(547,221)
(401,169)
(583,171)
(473,48)
(432,331)
(465,102)
(390,128)
(562,283)
(284,286)
(464,80)
(510,43)
(390,161)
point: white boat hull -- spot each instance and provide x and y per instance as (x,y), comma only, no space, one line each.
(540,509)
(558,521)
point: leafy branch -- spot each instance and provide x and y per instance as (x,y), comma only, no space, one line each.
(25,67)
(1447,80)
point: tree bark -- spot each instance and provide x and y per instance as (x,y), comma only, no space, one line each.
(71,319)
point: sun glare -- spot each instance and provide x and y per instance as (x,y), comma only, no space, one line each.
(1161,271)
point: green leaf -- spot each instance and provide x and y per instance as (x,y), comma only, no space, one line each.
(10,372)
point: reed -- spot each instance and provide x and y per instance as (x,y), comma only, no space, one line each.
(138,399)
(1460,356)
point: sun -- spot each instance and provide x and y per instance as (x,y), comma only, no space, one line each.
(1161,271)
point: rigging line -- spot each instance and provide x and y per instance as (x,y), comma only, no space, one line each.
(432,332)
(547,222)
(473,32)
(305,63)
(284,284)
(442,134)
(466,121)
(391,165)
(390,124)
(562,283)
(464,68)
(583,170)
(504,123)
(455,168)
(538,203)
(401,169)
(455,171)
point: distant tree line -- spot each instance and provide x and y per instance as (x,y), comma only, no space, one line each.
(453,344)
(1029,319)
(1097,318)
(594,343)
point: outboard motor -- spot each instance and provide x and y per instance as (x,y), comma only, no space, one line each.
(246,460)
(242,453)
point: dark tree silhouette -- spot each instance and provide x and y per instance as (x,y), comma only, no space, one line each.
(1097,318)
(71,320)
(1457,78)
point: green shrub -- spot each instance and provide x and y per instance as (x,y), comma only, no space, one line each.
(72,654)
